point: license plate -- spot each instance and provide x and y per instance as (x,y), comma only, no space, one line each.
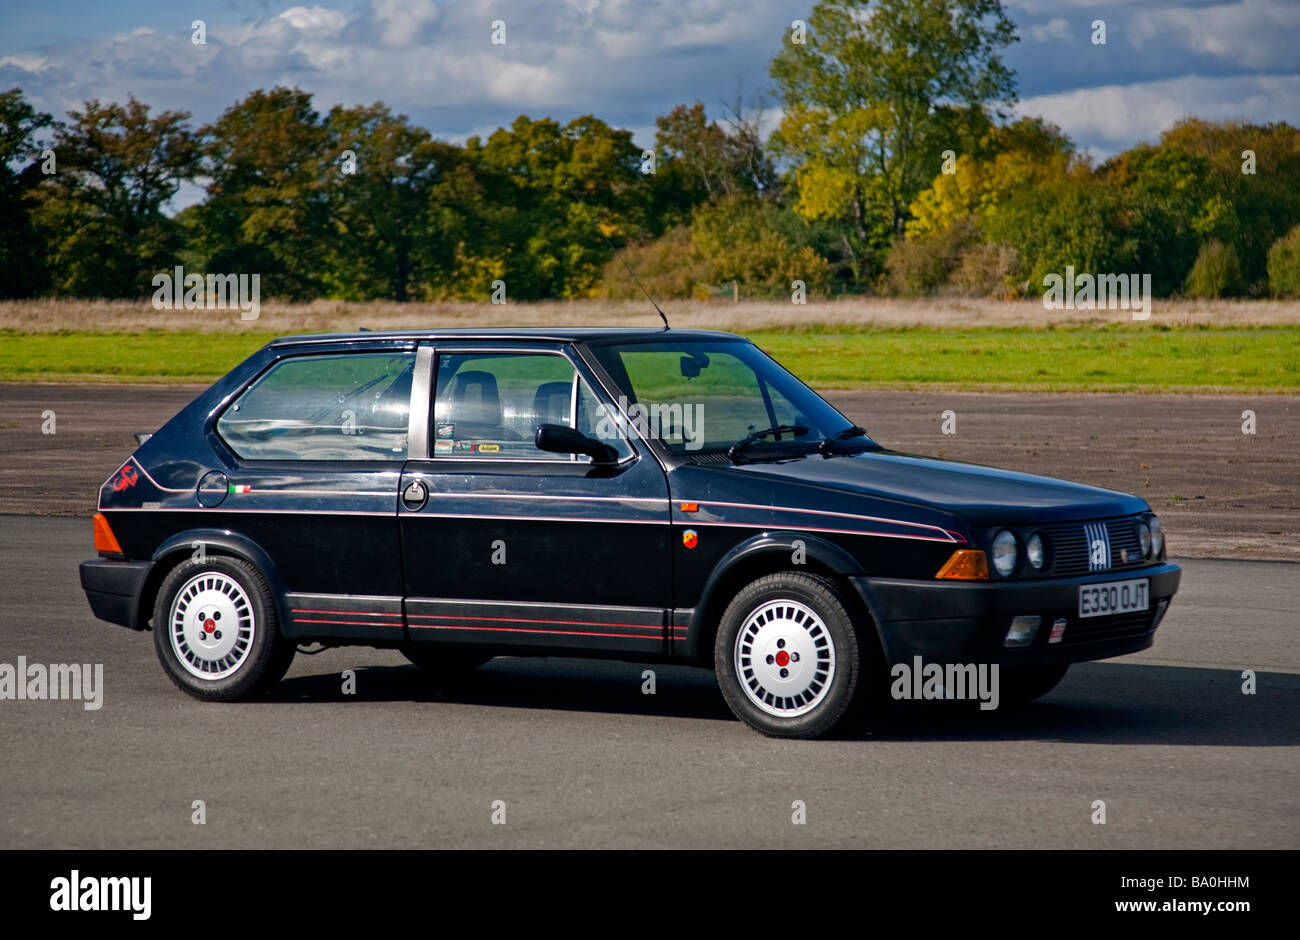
(1114,597)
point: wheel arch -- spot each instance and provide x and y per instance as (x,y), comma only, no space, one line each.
(180,546)
(768,553)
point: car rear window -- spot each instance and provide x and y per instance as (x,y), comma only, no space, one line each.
(333,407)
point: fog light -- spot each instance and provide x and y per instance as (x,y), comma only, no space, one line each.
(1023,630)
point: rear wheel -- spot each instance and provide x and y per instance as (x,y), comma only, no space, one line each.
(443,661)
(1019,685)
(216,631)
(788,657)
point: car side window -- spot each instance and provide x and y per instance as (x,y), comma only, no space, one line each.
(329,407)
(601,421)
(490,404)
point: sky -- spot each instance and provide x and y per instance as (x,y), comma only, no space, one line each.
(627,61)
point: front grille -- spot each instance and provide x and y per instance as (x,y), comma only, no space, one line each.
(1095,629)
(1069,546)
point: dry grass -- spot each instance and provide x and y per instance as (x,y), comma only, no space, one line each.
(848,314)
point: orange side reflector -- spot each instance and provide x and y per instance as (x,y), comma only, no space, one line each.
(966,564)
(690,507)
(105,540)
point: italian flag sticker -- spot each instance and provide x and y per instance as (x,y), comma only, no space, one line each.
(239,488)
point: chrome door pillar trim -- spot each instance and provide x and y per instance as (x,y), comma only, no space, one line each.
(417,429)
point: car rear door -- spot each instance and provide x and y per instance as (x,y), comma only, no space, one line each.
(507,545)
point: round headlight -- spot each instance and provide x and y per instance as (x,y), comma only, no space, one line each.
(1004,552)
(1157,538)
(1144,539)
(1034,550)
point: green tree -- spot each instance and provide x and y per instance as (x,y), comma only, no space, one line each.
(874,96)
(103,211)
(22,260)
(268,159)
(1284,265)
(1077,220)
(552,192)
(1216,272)
(381,183)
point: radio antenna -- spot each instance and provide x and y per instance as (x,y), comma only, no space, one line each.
(627,266)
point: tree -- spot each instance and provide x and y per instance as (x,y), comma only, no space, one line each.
(1007,159)
(1284,265)
(874,96)
(103,210)
(268,160)
(1194,179)
(380,185)
(708,161)
(1077,220)
(22,262)
(553,192)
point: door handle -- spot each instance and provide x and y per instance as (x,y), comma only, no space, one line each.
(415,495)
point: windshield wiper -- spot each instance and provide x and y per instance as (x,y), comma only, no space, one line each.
(795,430)
(827,447)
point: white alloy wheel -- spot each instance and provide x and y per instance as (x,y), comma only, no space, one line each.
(212,625)
(785,658)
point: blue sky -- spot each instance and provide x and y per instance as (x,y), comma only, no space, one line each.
(627,61)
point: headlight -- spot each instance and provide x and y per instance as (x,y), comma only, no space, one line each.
(1157,538)
(1034,550)
(1004,552)
(1144,539)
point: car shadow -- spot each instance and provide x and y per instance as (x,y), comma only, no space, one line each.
(1097,703)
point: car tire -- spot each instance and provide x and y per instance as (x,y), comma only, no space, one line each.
(789,659)
(217,632)
(1019,685)
(443,661)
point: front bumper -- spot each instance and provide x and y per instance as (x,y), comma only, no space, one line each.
(113,589)
(967,621)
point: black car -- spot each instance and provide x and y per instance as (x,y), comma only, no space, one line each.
(649,495)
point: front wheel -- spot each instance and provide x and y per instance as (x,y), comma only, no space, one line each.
(216,631)
(788,658)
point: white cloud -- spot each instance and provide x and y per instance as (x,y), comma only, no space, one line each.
(1054,30)
(1122,115)
(1254,34)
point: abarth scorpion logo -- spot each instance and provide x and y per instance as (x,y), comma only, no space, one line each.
(1098,546)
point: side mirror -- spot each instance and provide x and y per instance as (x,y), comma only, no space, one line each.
(562,439)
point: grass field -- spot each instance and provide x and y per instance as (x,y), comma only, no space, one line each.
(1094,357)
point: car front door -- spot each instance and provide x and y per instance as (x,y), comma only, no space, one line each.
(507,545)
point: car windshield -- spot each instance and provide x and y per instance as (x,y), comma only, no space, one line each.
(705,394)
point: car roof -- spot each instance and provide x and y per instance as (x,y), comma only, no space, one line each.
(580,334)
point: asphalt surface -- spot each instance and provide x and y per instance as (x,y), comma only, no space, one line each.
(581,758)
(1220,493)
